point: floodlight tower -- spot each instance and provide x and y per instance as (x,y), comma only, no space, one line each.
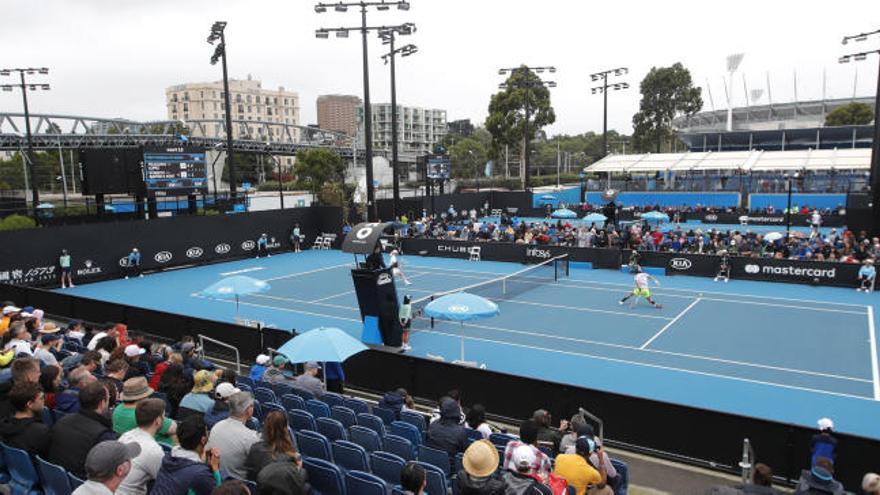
(733,62)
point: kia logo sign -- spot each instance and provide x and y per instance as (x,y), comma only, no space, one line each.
(163,257)
(194,252)
(123,262)
(222,248)
(752,269)
(248,245)
(458,308)
(383,279)
(680,264)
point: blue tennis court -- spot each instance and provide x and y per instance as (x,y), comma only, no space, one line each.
(782,352)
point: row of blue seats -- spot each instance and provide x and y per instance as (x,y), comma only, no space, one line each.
(31,476)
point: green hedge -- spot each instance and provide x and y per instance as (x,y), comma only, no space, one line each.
(17,222)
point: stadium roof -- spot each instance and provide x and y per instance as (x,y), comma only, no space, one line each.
(731,161)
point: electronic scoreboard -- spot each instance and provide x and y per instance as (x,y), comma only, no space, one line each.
(175,170)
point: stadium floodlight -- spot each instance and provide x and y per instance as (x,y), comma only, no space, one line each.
(844,59)
(5,72)
(342,33)
(322,34)
(383,6)
(733,61)
(43,70)
(7,88)
(340,7)
(861,37)
(551,84)
(552,70)
(603,90)
(403,5)
(320,9)
(860,56)
(501,72)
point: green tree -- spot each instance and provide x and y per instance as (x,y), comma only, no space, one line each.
(320,170)
(666,93)
(468,157)
(852,114)
(506,121)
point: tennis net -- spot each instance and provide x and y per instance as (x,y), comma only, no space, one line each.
(502,288)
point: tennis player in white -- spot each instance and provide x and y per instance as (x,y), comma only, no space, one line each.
(642,288)
(395,267)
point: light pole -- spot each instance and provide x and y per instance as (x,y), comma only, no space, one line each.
(620,71)
(280,183)
(733,62)
(404,51)
(789,178)
(527,84)
(218,33)
(875,145)
(25,87)
(372,214)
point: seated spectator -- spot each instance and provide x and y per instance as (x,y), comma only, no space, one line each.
(446,433)
(413,479)
(871,484)
(476,420)
(108,348)
(397,401)
(75,434)
(173,358)
(68,400)
(819,479)
(201,399)
(114,374)
(453,394)
(275,372)
(50,344)
(479,465)
(275,446)
(547,435)
(528,436)
(107,464)
(190,468)
(232,437)
(579,472)
(762,484)
(23,370)
(220,411)
(175,383)
(823,444)
(25,429)
(232,487)
(150,415)
(50,380)
(20,340)
(258,369)
(283,478)
(308,380)
(134,391)
(75,331)
(136,364)
(519,477)
(89,360)
(108,331)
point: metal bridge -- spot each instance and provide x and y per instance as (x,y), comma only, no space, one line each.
(52,131)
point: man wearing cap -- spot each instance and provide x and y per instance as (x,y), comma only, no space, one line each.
(823,444)
(447,433)
(150,415)
(190,468)
(220,411)
(75,331)
(232,437)
(49,342)
(75,434)
(107,464)
(8,312)
(479,464)
(200,400)
(275,372)
(580,473)
(519,478)
(528,436)
(24,429)
(819,479)
(259,369)
(135,390)
(68,400)
(136,364)
(133,265)
(309,381)
(21,339)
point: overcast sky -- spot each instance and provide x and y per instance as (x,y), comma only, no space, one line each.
(114,58)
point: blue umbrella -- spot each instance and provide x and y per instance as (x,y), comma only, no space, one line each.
(595,218)
(321,344)
(655,216)
(461,307)
(564,213)
(236,286)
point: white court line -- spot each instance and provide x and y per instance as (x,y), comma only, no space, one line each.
(332,267)
(649,365)
(666,327)
(418,274)
(875,373)
(288,310)
(692,291)
(244,270)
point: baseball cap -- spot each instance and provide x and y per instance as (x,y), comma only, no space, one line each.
(49,337)
(871,482)
(10,309)
(825,423)
(312,365)
(28,309)
(262,359)
(105,457)
(225,390)
(584,445)
(522,458)
(132,350)
(187,346)
(279,360)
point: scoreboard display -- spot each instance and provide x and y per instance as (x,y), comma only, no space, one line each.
(175,170)
(438,167)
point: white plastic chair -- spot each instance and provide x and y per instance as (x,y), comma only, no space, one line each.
(328,241)
(474,253)
(319,241)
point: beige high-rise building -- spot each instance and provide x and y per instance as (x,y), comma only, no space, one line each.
(257,113)
(339,113)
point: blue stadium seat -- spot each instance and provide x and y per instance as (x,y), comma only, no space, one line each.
(301,420)
(414,419)
(244,380)
(331,429)
(435,478)
(293,401)
(271,406)
(361,483)
(53,478)
(258,411)
(74,481)
(246,388)
(314,444)
(388,416)
(263,394)
(325,477)
(399,446)
(372,422)
(474,435)
(407,431)
(366,438)
(356,405)
(387,466)
(501,439)
(282,388)
(344,415)
(435,457)
(21,469)
(332,399)
(4,470)
(305,394)
(318,408)
(459,462)
(47,417)
(349,455)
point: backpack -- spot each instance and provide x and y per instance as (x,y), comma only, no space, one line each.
(557,484)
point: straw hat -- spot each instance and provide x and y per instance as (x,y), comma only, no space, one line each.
(203,382)
(480,459)
(49,327)
(135,389)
